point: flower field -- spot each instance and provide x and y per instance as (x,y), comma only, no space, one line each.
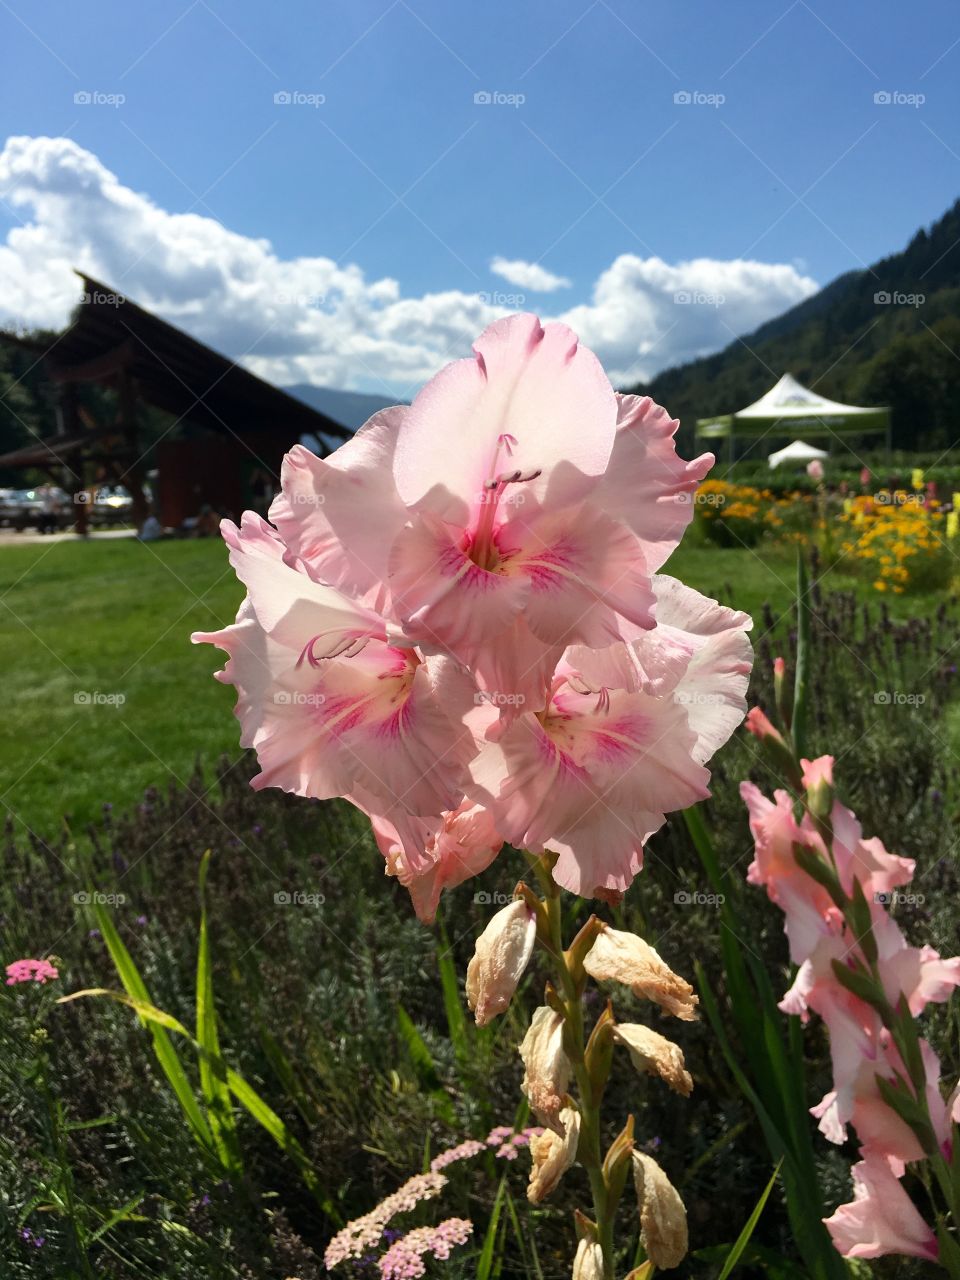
(896,540)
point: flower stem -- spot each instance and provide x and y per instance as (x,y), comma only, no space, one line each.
(589,1153)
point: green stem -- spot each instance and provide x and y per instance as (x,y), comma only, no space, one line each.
(589,1153)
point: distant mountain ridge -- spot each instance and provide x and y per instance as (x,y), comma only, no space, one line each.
(350,408)
(886,335)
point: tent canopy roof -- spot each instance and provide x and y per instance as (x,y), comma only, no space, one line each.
(791,405)
(798,451)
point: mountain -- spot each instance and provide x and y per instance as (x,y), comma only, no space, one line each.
(351,408)
(886,335)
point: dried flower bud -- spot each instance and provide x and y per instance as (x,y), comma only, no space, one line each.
(553,1155)
(588,1264)
(623,957)
(663,1219)
(502,953)
(655,1054)
(547,1067)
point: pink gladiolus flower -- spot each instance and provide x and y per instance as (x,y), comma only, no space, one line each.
(330,705)
(516,507)
(31,971)
(449,850)
(880,1219)
(456,623)
(815,469)
(622,741)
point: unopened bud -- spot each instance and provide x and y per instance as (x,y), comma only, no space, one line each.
(618,1160)
(775,749)
(502,953)
(782,693)
(598,1055)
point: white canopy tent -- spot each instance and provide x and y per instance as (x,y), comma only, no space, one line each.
(790,407)
(796,452)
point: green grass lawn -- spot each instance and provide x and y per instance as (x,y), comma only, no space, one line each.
(114,617)
(109,617)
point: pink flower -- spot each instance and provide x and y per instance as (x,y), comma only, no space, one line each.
(31,971)
(447,851)
(622,741)
(516,507)
(881,1218)
(404,1259)
(815,469)
(330,705)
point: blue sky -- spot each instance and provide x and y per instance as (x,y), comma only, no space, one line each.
(585,164)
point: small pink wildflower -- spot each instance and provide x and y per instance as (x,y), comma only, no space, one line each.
(364,1233)
(31,971)
(404,1259)
(464,1151)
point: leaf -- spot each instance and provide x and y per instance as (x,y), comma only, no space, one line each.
(743,1239)
(118,1215)
(799,727)
(163,1048)
(423,1064)
(244,1093)
(213,1082)
(485,1262)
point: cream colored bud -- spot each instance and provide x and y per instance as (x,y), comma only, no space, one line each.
(663,1219)
(655,1054)
(501,955)
(553,1155)
(623,957)
(547,1067)
(588,1264)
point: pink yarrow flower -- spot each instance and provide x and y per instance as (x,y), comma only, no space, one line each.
(31,971)
(404,1259)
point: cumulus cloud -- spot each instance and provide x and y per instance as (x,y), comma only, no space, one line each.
(528,275)
(311,319)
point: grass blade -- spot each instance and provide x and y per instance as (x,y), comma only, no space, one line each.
(485,1261)
(743,1239)
(213,1084)
(166,1055)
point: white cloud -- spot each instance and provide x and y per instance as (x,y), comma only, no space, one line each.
(528,275)
(312,320)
